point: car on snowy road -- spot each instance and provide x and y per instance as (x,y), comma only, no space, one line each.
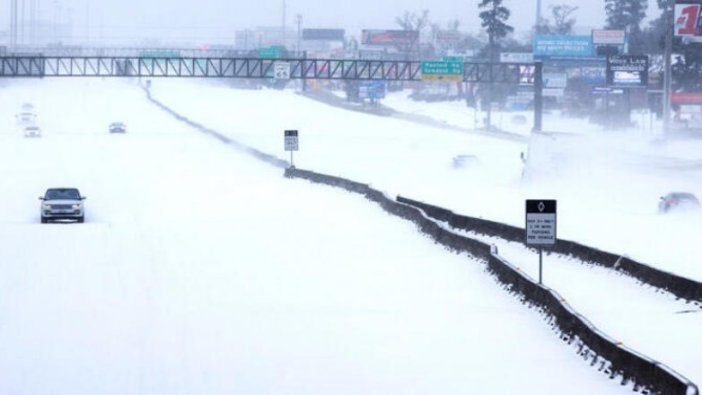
(118,127)
(62,203)
(678,201)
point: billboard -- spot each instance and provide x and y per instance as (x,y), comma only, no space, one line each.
(373,90)
(608,37)
(558,46)
(389,37)
(687,20)
(627,71)
(516,57)
(448,36)
(323,34)
(555,80)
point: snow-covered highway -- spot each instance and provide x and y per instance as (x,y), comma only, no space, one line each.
(200,270)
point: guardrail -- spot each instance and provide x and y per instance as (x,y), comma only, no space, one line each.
(679,286)
(613,358)
(260,155)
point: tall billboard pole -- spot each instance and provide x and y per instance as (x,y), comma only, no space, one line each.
(13,23)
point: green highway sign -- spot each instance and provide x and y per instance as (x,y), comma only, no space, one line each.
(270,53)
(442,71)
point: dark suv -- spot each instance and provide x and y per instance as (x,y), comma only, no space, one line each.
(62,203)
(678,201)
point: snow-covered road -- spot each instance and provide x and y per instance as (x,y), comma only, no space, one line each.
(641,317)
(200,270)
(607,183)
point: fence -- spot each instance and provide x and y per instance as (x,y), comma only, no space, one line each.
(613,358)
(681,287)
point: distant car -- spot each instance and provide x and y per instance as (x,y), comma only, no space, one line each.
(62,203)
(32,131)
(26,118)
(461,161)
(678,201)
(118,127)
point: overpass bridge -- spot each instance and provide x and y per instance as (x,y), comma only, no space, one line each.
(43,66)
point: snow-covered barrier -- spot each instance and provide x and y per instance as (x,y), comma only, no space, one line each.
(679,286)
(597,348)
(260,155)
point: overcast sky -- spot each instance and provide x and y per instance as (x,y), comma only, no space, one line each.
(213,20)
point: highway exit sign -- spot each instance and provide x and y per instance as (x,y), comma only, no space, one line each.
(442,71)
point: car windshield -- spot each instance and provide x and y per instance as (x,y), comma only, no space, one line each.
(62,194)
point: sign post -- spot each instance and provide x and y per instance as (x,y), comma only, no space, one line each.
(291,144)
(540,227)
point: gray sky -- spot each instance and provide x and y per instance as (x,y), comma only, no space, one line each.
(208,20)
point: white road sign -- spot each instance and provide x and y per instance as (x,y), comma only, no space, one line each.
(541,222)
(291,141)
(281,70)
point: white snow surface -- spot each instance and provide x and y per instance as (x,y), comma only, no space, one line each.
(607,183)
(639,316)
(201,270)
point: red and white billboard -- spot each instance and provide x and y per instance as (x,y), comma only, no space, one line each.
(687,20)
(389,37)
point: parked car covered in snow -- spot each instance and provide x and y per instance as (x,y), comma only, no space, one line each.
(118,127)
(678,201)
(62,203)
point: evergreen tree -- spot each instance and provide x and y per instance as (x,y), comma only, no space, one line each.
(494,20)
(627,15)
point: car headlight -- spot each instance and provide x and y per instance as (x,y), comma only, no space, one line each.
(77,206)
(46,206)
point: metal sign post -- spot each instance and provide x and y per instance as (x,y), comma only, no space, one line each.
(291,144)
(540,227)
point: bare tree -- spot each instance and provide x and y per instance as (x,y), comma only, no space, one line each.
(562,22)
(412,22)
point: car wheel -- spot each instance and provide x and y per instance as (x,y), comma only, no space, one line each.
(44,220)
(81,220)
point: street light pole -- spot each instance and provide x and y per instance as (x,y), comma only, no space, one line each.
(13,24)
(299,34)
(284,20)
(667,73)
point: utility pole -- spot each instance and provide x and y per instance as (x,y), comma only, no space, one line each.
(32,22)
(22,23)
(667,73)
(299,34)
(282,33)
(491,59)
(13,24)
(538,16)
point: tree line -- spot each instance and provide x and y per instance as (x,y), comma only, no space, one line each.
(627,15)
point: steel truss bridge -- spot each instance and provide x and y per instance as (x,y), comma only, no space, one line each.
(30,66)
(232,67)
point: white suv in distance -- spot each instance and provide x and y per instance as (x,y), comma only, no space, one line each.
(118,127)
(62,203)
